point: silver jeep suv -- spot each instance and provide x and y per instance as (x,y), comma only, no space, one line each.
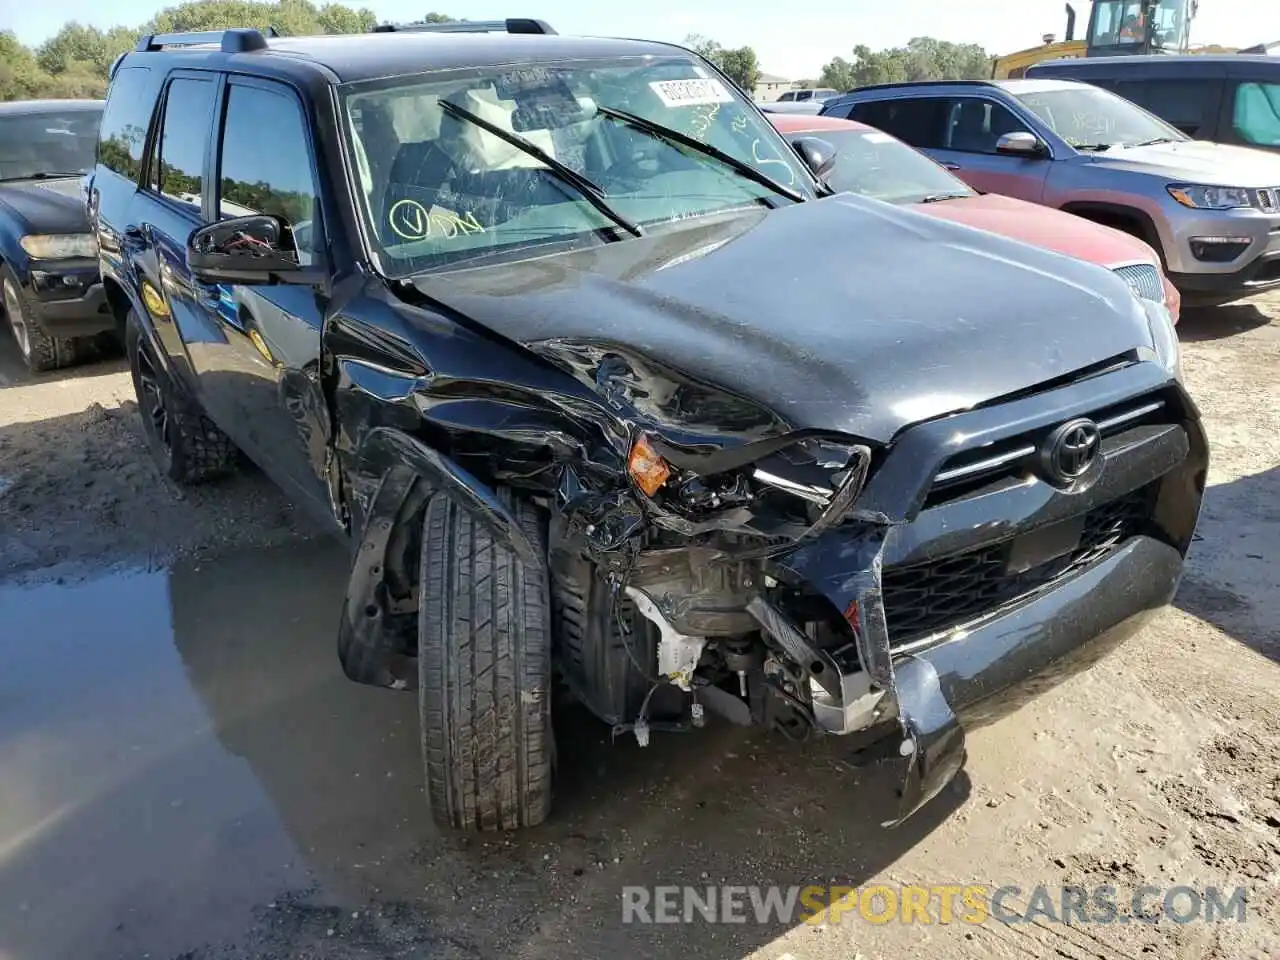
(1211,211)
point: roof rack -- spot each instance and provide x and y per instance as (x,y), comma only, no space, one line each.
(509,25)
(235,40)
(924,83)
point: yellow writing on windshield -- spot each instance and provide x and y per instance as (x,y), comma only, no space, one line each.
(409,220)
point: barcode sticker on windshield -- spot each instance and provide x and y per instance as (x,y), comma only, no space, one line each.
(691,93)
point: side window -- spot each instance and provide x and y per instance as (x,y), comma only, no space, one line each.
(1256,114)
(1189,105)
(177,163)
(267,174)
(1132,90)
(123,134)
(976,126)
(918,121)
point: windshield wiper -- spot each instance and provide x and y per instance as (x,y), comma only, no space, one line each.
(939,197)
(42,175)
(1152,142)
(675,136)
(589,189)
(1093,147)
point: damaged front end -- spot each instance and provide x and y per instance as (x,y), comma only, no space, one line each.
(756,578)
(704,556)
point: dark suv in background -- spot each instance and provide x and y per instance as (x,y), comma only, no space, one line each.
(602,384)
(1231,98)
(52,301)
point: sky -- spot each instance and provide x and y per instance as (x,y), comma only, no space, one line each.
(789,41)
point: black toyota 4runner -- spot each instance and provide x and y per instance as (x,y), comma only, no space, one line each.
(606,390)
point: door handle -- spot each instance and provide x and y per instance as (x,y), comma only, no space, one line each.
(951,166)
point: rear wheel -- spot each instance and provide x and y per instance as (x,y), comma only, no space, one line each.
(40,351)
(484,671)
(186,445)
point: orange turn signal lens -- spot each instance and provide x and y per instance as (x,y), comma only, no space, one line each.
(647,467)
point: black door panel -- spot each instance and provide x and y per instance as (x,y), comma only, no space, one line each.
(259,363)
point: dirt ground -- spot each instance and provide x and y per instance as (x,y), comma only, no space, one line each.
(280,815)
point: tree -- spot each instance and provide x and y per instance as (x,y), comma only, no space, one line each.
(741,65)
(923,58)
(74,61)
(838,75)
(703,46)
(437,18)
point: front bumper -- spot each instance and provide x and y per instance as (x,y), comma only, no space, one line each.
(1256,276)
(66,298)
(1254,270)
(941,628)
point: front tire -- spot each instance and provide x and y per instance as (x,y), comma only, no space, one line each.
(484,671)
(40,351)
(187,446)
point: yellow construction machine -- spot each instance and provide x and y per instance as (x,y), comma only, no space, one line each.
(1115,27)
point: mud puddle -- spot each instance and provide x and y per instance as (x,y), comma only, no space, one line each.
(185,772)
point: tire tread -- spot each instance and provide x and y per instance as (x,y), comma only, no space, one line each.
(484,672)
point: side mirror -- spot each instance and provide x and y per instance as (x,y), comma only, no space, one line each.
(818,155)
(254,250)
(1020,144)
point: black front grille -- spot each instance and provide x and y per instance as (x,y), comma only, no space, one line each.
(928,598)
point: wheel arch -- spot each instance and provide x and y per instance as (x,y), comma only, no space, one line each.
(119,302)
(398,474)
(1125,218)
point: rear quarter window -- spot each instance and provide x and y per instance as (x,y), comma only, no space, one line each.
(1256,113)
(123,134)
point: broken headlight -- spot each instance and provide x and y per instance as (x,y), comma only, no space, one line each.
(791,488)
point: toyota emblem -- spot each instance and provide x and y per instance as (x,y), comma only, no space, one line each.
(1071,450)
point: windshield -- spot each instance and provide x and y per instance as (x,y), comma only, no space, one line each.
(48,142)
(439,189)
(1089,117)
(876,165)
(1122,23)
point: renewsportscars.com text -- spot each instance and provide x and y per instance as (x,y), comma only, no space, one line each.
(941,903)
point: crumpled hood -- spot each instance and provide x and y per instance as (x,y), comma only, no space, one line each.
(1198,161)
(842,314)
(47,206)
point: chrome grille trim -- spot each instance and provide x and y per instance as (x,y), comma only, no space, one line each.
(1011,460)
(983,466)
(1144,279)
(1120,419)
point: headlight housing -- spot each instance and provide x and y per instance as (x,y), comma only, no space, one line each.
(1165,336)
(1200,197)
(62,246)
(794,488)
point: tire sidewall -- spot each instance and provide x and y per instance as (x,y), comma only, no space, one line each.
(165,454)
(7,280)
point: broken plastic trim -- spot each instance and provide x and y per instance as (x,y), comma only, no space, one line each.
(386,447)
(931,749)
(407,473)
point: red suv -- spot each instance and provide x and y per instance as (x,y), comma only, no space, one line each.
(875,164)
